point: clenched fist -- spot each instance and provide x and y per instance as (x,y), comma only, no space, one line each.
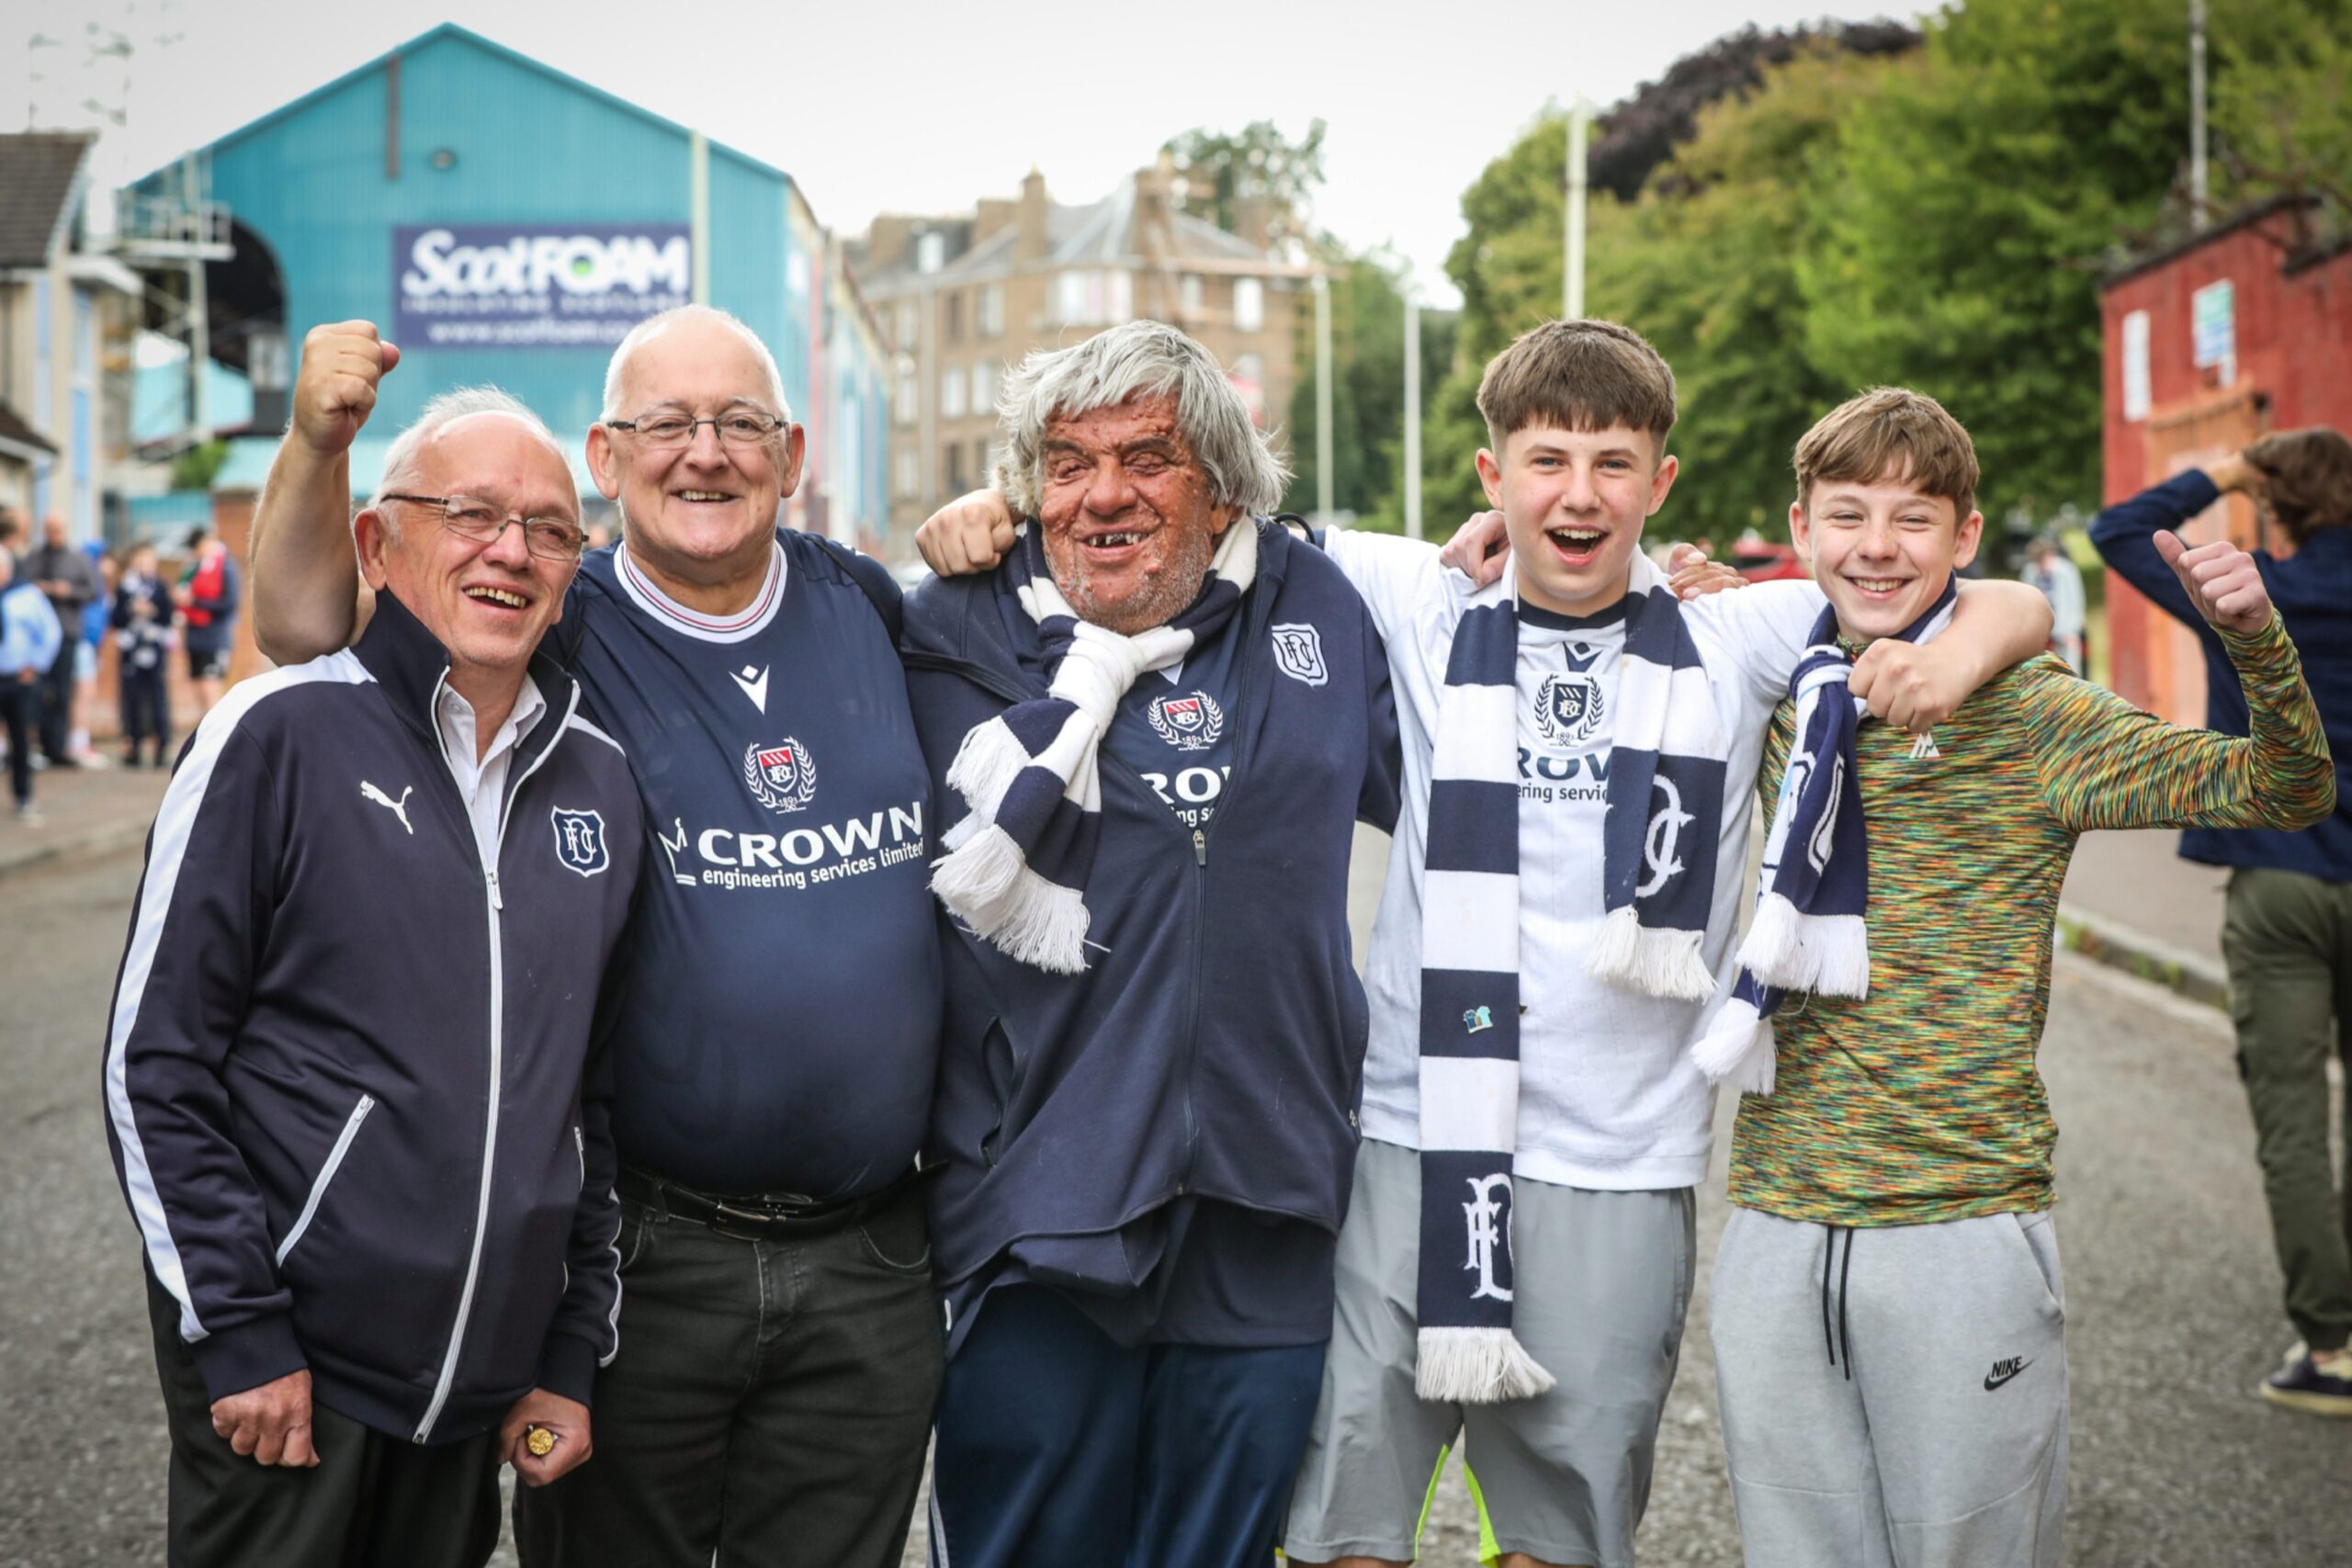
(334,389)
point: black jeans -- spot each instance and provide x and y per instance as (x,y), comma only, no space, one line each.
(768,1406)
(57,693)
(374,1501)
(19,699)
(146,712)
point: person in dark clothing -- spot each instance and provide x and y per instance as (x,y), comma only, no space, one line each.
(143,621)
(2287,926)
(28,637)
(208,600)
(66,575)
(1150,730)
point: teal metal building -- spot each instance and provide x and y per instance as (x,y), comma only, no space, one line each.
(505,222)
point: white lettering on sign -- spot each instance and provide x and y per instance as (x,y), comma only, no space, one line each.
(545,264)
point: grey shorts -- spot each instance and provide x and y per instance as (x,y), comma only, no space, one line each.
(1603,1281)
(1894,1395)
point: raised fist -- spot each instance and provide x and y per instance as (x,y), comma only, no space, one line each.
(334,389)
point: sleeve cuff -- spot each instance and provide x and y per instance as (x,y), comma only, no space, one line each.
(247,1356)
(2268,651)
(568,1367)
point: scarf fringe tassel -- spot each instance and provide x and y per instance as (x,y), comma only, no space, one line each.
(1827,954)
(986,881)
(1737,1049)
(1655,962)
(1475,1366)
(987,763)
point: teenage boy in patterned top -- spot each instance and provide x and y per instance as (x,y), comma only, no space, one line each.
(1902,1398)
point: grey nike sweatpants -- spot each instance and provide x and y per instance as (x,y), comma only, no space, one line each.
(1894,1396)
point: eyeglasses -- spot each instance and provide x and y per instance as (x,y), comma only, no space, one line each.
(742,427)
(471,517)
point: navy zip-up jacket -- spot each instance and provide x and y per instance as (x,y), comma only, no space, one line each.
(1215,1047)
(2312,589)
(347,1077)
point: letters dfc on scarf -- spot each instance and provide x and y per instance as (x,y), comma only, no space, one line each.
(1660,830)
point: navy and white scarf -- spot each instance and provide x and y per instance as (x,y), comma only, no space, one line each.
(1808,934)
(1016,866)
(1662,824)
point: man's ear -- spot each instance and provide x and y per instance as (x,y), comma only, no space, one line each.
(371,533)
(1662,482)
(1964,542)
(1799,530)
(795,449)
(1490,476)
(603,464)
(1223,518)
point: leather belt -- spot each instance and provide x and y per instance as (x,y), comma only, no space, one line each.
(768,1216)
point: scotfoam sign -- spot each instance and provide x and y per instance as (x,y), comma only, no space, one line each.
(546,285)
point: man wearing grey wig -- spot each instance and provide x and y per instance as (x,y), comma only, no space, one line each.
(1149,729)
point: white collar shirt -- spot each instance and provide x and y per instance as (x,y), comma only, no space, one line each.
(482,783)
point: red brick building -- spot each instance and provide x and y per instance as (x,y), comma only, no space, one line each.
(2246,329)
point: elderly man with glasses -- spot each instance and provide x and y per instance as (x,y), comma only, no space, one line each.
(774,1010)
(348,1078)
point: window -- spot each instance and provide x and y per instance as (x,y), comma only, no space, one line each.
(931,252)
(906,323)
(992,311)
(1192,294)
(1249,305)
(908,401)
(954,330)
(951,394)
(984,458)
(1119,298)
(954,477)
(1070,298)
(908,476)
(983,386)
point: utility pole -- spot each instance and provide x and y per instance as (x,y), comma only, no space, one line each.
(2198,191)
(1412,412)
(1572,275)
(1323,400)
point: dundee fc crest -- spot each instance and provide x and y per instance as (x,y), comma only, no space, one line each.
(1188,723)
(1567,708)
(1298,653)
(580,841)
(780,776)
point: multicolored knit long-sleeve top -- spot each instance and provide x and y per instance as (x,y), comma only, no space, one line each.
(1921,1101)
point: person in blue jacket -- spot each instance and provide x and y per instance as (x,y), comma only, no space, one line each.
(349,1081)
(29,636)
(1150,728)
(2287,927)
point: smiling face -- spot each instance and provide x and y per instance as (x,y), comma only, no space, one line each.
(1881,551)
(486,603)
(702,515)
(1125,506)
(1573,503)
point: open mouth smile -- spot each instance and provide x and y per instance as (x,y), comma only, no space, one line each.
(1577,545)
(505,599)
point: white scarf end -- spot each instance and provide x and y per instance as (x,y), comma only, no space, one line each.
(1475,1366)
(1827,954)
(1738,1050)
(1657,963)
(985,764)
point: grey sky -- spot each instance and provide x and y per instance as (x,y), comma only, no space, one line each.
(923,105)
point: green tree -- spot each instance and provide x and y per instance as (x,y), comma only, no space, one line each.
(195,469)
(2283,99)
(1221,169)
(1960,236)
(1367,305)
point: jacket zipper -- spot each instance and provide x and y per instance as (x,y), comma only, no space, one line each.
(326,1173)
(493,903)
(987,681)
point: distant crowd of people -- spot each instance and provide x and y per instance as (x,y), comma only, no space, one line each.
(61,603)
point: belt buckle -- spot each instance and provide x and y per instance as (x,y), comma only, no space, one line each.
(741,1224)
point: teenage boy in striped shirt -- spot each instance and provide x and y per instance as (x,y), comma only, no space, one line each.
(1886,1310)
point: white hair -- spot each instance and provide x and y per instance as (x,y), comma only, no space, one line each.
(445,409)
(653,326)
(1139,359)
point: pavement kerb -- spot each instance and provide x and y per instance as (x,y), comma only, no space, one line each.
(2192,974)
(48,849)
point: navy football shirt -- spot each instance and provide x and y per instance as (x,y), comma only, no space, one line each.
(1174,726)
(778,1012)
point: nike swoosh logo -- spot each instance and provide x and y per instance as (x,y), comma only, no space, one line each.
(754,687)
(1996,1377)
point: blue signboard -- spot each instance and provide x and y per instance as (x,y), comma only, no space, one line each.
(537,285)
